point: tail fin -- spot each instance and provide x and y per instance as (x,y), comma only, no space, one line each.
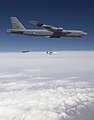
(16,24)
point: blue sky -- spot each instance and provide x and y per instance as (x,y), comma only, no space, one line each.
(74,14)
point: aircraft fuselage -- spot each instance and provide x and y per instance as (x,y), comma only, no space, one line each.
(42,33)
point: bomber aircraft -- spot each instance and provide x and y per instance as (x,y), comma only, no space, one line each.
(46,31)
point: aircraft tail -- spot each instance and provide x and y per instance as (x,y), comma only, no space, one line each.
(16,24)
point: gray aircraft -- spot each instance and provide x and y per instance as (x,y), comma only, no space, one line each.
(46,31)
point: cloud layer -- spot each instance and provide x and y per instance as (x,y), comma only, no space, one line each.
(44,100)
(46,88)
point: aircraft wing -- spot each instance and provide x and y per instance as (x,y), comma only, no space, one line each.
(46,27)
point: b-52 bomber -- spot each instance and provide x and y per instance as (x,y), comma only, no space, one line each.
(46,31)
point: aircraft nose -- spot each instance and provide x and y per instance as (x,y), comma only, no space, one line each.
(84,33)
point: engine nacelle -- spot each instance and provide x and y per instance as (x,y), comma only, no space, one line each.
(60,29)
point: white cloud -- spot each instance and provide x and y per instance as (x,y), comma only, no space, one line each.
(23,101)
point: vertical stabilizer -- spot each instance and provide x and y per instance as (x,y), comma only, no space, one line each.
(16,24)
